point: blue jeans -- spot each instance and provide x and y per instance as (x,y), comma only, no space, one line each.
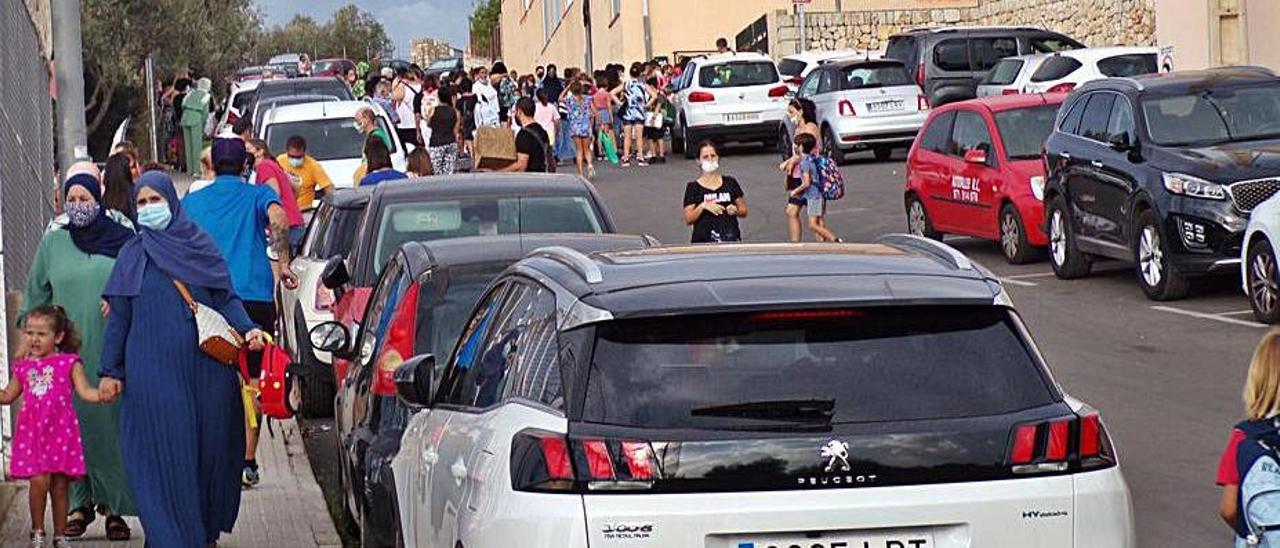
(296,234)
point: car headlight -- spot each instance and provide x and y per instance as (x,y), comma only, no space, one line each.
(1037,187)
(1195,187)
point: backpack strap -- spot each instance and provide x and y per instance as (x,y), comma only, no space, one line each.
(1252,448)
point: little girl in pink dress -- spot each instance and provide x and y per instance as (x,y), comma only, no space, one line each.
(46,445)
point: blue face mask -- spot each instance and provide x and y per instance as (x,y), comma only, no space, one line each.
(155,216)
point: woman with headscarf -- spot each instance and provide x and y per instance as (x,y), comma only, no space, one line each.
(71,267)
(181,416)
(195,113)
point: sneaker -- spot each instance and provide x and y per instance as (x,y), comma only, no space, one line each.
(626,162)
(642,162)
(591,171)
(249,477)
(61,542)
(37,539)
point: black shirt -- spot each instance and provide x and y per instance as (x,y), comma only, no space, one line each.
(714,228)
(534,141)
(443,120)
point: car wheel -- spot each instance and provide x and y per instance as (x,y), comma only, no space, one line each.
(1159,279)
(784,142)
(882,153)
(830,146)
(316,380)
(1013,237)
(677,140)
(1264,288)
(1067,260)
(918,223)
(690,146)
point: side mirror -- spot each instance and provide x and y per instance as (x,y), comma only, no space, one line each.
(331,337)
(335,273)
(413,381)
(1120,143)
(975,156)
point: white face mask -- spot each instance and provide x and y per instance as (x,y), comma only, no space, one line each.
(710,166)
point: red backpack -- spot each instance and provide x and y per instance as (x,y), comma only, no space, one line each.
(277,392)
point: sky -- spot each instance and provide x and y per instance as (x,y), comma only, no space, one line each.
(404,20)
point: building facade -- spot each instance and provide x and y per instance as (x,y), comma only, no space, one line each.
(425,51)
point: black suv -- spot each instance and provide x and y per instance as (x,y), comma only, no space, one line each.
(1162,170)
(949,62)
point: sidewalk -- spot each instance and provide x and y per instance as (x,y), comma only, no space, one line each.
(286,510)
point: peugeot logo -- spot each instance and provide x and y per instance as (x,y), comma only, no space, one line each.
(837,453)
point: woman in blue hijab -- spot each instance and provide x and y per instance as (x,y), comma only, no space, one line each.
(181,416)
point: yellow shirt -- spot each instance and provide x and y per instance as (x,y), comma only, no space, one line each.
(306,179)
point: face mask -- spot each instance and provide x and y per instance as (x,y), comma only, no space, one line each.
(155,216)
(710,166)
(82,214)
(295,162)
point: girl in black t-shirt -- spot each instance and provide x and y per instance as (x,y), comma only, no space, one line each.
(713,203)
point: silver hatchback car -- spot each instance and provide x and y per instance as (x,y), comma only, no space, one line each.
(864,105)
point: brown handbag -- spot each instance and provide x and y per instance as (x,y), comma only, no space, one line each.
(217,338)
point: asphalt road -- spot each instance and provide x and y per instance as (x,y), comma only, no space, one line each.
(1166,377)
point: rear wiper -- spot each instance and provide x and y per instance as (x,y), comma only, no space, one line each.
(819,411)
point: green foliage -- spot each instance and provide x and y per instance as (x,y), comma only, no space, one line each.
(483,21)
(350,32)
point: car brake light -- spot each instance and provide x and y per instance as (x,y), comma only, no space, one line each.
(1059,445)
(802,315)
(845,104)
(599,463)
(556,451)
(795,80)
(922,102)
(543,461)
(1062,88)
(1090,436)
(399,344)
(1024,444)
(780,91)
(920,75)
(324,298)
(701,97)
(1008,91)
(1056,449)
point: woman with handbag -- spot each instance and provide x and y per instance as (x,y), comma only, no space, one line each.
(172,310)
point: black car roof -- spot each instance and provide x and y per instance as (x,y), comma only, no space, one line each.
(510,248)
(1184,80)
(308,82)
(349,198)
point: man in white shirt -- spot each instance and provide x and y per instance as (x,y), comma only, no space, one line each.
(486,100)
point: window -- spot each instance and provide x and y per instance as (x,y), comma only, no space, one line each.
(875,75)
(1214,115)
(970,133)
(1053,43)
(1023,131)
(989,51)
(534,373)
(481,381)
(791,67)
(382,306)
(470,347)
(316,232)
(552,13)
(827,82)
(952,55)
(1129,65)
(738,74)
(1003,74)
(327,139)
(875,365)
(1121,123)
(1071,122)
(902,48)
(616,8)
(1055,68)
(810,85)
(938,135)
(1096,114)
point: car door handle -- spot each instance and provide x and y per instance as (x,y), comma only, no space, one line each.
(1065,155)
(430,457)
(459,471)
(1096,164)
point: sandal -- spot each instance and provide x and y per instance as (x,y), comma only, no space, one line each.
(117,529)
(79,520)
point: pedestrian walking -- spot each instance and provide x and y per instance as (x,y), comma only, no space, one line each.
(655,123)
(578,127)
(508,90)
(378,158)
(70,269)
(418,164)
(533,145)
(181,416)
(404,95)
(488,110)
(446,130)
(466,107)
(367,124)
(195,112)
(379,90)
(1243,468)
(635,98)
(603,101)
(306,175)
(546,114)
(810,188)
(714,202)
(46,447)
(803,115)
(117,184)
(267,171)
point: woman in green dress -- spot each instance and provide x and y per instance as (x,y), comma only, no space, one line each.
(71,268)
(195,114)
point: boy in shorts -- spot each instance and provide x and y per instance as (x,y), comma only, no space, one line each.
(810,179)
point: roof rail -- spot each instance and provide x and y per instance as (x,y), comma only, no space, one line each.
(1131,81)
(1255,68)
(934,248)
(574,259)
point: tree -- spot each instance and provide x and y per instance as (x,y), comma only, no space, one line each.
(483,22)
(350,33)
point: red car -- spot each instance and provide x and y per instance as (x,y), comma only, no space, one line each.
(976,170)
(332,67)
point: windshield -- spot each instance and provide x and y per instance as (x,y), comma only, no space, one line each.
(1128,65)
(1004,73)
(443,64)
(1024,130)
(331,139)
(737,74)
(836,366)
(875,76)
(437,220)
(791,67)
(1213,116)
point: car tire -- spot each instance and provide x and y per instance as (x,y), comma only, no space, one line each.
(918,222)
(690,144)
(1157,276)
(1013,237)
(831,146)
(317,384)
(1067,260)
(1263,283)
(783,142)
(677,143)
(882,153)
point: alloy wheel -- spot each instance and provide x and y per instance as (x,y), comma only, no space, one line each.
(1263,287)
(1009,236)
(916,220)
(1150,256)
(1058,238)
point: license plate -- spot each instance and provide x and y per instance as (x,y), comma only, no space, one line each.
(742,117)
(842,540)
(885,106)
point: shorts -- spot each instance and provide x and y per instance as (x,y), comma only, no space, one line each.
(792,184)
(264,315)
(817,207)
(654,133)
(604,117)
(407,135)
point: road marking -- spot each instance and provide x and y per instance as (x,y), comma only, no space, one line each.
(846,210)
(1204,316)
(1237,313)
(1025,276)
(1013,281)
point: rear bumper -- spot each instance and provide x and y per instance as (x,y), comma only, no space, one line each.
(865,131)
(1104,510)
(758,131)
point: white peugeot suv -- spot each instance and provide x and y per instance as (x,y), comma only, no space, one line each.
(701,396)
(728,97)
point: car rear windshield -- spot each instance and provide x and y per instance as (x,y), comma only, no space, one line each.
(1128,65)
(767,369)
(1053,44)
(875,75)
(1055,68)
(738,74)
(1004,73)
(1024,130)
(902,48)
(330,139)
(243,100)
(792,67)
(439,219)
(1214,115)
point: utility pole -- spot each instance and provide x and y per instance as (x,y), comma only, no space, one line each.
(804,42)
(69,74)
(648,33)
(151,109)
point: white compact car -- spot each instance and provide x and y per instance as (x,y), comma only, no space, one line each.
(331,134)
(729,97)
(239,97)
(864,105)
(1010,75)
(1065,70)
(795,68)
(1258,267)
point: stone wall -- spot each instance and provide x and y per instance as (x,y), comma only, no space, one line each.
(1094,22)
